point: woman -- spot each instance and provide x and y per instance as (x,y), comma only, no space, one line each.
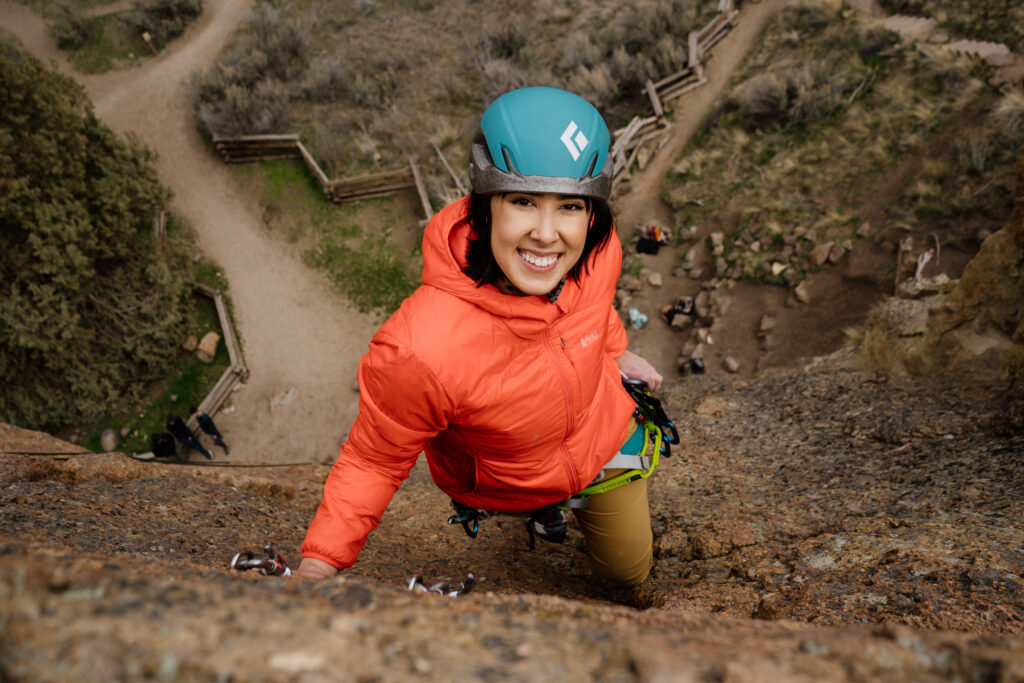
(505,366)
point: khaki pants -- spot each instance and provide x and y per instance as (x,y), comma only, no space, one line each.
(617,528)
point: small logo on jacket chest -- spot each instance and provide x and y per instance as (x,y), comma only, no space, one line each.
(589,338)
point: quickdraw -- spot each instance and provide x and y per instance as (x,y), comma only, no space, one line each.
(273,564)
(448,588)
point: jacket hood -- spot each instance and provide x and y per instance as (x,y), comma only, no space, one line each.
(445,241)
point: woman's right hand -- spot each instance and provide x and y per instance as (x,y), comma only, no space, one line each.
(313,568)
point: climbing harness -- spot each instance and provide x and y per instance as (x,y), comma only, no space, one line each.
(448,588)
(273,564)
(654,428)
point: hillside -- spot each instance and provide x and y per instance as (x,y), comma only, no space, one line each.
(819,521)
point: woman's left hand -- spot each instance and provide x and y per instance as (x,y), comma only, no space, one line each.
(636,367)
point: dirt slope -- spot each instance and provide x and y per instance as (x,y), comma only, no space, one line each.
(818,525)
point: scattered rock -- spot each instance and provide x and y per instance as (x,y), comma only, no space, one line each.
(717,238)
(125,431)
(801,293)
(630,284)
(731,364)
(916,288)
(864,231)
(191,343)
(767,324)
(174,398)
(835,254)
(702,304)
(721,266)
(655,279)
(697,273)
(207,350)
(819,255)
(681,322)
(777,268)
(109,439)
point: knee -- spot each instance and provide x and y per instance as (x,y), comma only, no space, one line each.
(626,562)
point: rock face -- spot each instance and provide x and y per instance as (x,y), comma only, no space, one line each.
(811,525)
(984,312)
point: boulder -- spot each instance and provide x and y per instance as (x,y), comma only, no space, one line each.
(630,283)
(835,254)
(207,350)
(109,439)
(802,293)
(819,255)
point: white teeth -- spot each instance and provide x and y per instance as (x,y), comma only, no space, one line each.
(539,261)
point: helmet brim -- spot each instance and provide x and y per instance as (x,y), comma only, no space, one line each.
(486,178)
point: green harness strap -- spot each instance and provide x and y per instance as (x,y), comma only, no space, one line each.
(627,477)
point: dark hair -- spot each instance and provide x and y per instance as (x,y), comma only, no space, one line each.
(484,270)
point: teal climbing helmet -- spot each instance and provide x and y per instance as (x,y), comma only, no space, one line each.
(542,140)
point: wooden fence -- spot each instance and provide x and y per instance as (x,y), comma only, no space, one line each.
(636,143)
(249,148)
(643,137)
(235,372)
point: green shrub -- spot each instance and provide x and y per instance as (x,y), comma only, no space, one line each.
(70,28)
(92,306)
(162,19)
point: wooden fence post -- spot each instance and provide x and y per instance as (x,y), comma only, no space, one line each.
(451,172)
(421,189)
(655,102)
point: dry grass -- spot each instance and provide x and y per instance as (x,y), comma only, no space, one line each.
(368,83)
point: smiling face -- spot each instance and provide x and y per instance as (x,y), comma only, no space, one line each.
(537,238)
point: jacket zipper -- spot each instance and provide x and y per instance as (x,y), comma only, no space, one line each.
(574,479)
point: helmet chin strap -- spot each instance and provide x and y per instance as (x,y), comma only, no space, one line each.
(506,287)
(553,294)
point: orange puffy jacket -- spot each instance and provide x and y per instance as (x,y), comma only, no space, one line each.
(517,402)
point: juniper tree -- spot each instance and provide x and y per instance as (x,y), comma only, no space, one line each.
(91,306)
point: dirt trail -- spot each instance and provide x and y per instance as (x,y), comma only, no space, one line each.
(297,332)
